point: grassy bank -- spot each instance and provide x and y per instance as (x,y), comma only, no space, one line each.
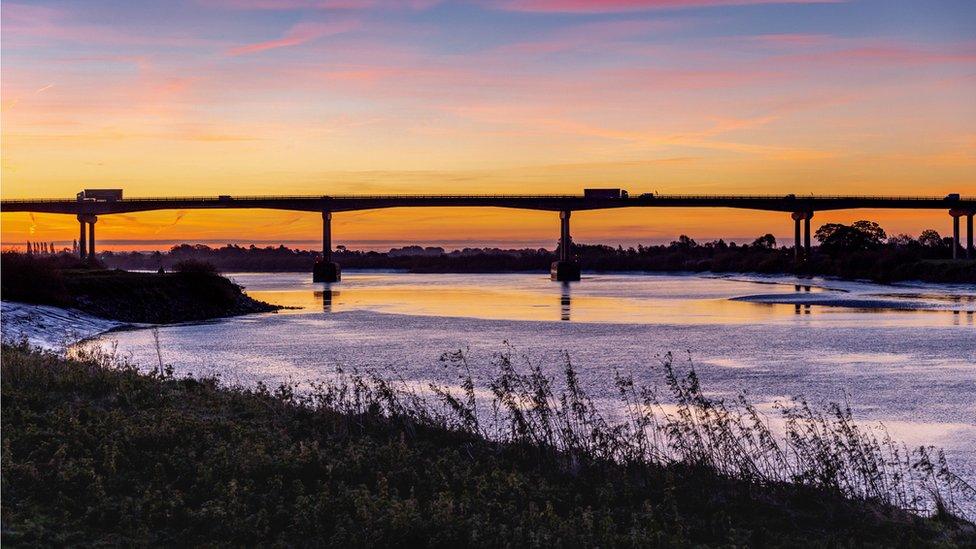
(95,453)
(63,281)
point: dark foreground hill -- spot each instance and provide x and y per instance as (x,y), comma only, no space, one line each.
(98,455)
(193,294)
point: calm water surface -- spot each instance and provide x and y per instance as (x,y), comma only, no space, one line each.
(904,355)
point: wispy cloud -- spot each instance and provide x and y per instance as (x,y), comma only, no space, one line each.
(299,34)
(337,5)
(610,6)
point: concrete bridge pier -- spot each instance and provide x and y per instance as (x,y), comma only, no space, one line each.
(565,269)
(956,244)
(326,270)
(82,237)
(87,251)
(806,234)
(801,250)
(970,253)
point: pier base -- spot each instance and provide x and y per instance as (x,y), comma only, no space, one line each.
(326,271)
(565,271)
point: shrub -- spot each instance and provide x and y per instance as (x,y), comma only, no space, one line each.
(195,266)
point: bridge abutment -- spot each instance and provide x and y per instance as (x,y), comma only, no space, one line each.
(326,270)
(565,269)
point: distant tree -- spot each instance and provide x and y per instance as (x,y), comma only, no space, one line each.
(859,236)
(684,242)
(766,241)
(930,238)
(827,230)
(872,230)
(902,240)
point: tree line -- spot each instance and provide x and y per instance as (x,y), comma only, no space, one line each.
(862,249)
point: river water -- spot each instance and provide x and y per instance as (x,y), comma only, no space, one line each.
(903,355)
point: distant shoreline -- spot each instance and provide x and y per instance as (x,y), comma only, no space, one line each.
(892,261)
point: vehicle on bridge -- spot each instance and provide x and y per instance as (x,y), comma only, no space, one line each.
(100,195)
(604,193)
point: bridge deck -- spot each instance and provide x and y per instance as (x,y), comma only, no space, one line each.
(339,203)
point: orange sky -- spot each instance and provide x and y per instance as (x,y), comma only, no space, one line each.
(258,97)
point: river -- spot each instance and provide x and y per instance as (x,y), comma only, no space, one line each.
(903,355)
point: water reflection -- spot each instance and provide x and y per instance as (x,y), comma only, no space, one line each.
(565,301)
(963,318)
(325,296)
(641,299)
(803,308)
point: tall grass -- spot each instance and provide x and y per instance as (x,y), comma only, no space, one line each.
(669,424)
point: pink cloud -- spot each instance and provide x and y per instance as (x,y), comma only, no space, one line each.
(287,5)
(600,6)
(792,39)
(23,14)
(590,36)
(26,26)
(297,35)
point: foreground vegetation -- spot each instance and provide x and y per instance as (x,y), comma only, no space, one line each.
(96,453)
(861,250)
(194,292)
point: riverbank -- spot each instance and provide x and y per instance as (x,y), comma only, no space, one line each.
(95,453)
(124,296)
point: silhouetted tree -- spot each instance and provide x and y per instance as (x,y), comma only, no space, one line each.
(872,230)
(766,241)
(859,236)
(930,238)
(684,242)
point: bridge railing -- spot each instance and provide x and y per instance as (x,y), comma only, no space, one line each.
(491,196)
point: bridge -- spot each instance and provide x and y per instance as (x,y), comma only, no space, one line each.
(800,208)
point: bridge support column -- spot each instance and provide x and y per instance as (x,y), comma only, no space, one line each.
(956,214)
(91,237)
(801,249)
(87,251)
(565,269)
(969,236)
(326,270)
(806,235)
(82,238)
(797,257)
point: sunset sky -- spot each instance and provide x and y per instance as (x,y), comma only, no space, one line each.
(207,97)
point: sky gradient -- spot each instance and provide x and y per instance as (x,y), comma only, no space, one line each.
(207,97)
